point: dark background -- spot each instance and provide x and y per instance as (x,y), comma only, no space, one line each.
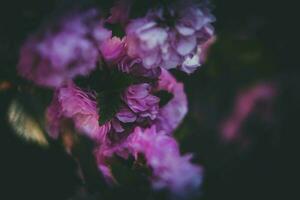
(256,41)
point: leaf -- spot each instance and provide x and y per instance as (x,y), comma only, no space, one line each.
(131,173)
(109,103)
(117,30)
(25,125)
(164,97)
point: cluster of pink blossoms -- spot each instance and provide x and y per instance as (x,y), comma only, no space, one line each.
(78,45)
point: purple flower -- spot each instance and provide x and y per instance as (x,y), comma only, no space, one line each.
(170,169)
(63,50)
(171,37)
(172,114)
(140,101)
(139,106)
(70,102)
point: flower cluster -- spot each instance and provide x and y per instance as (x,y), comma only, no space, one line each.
(171,37)
(108,86)
(64,49)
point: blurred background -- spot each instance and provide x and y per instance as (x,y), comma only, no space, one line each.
(242,102)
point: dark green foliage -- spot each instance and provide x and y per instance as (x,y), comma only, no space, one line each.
(110,102)
(164,97)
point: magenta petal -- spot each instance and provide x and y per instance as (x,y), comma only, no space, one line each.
(112,49)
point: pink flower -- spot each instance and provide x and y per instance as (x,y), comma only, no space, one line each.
(63,50)
(170,169)
(172,114)
(70,102)
(170,37)
(245,104)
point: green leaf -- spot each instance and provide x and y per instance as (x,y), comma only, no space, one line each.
(109,103)
(164,97)
(129,173)
(116,29)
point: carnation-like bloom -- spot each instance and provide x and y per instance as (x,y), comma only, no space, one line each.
(64,49)
(140,101)
(139,106)
(115,53)
(70,102)
(171,37)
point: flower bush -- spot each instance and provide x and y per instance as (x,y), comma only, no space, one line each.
(110,86)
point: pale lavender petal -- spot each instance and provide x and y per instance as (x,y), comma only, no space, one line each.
(151,59)
(186,45)
(191,63)
(185,30)
(152,38)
